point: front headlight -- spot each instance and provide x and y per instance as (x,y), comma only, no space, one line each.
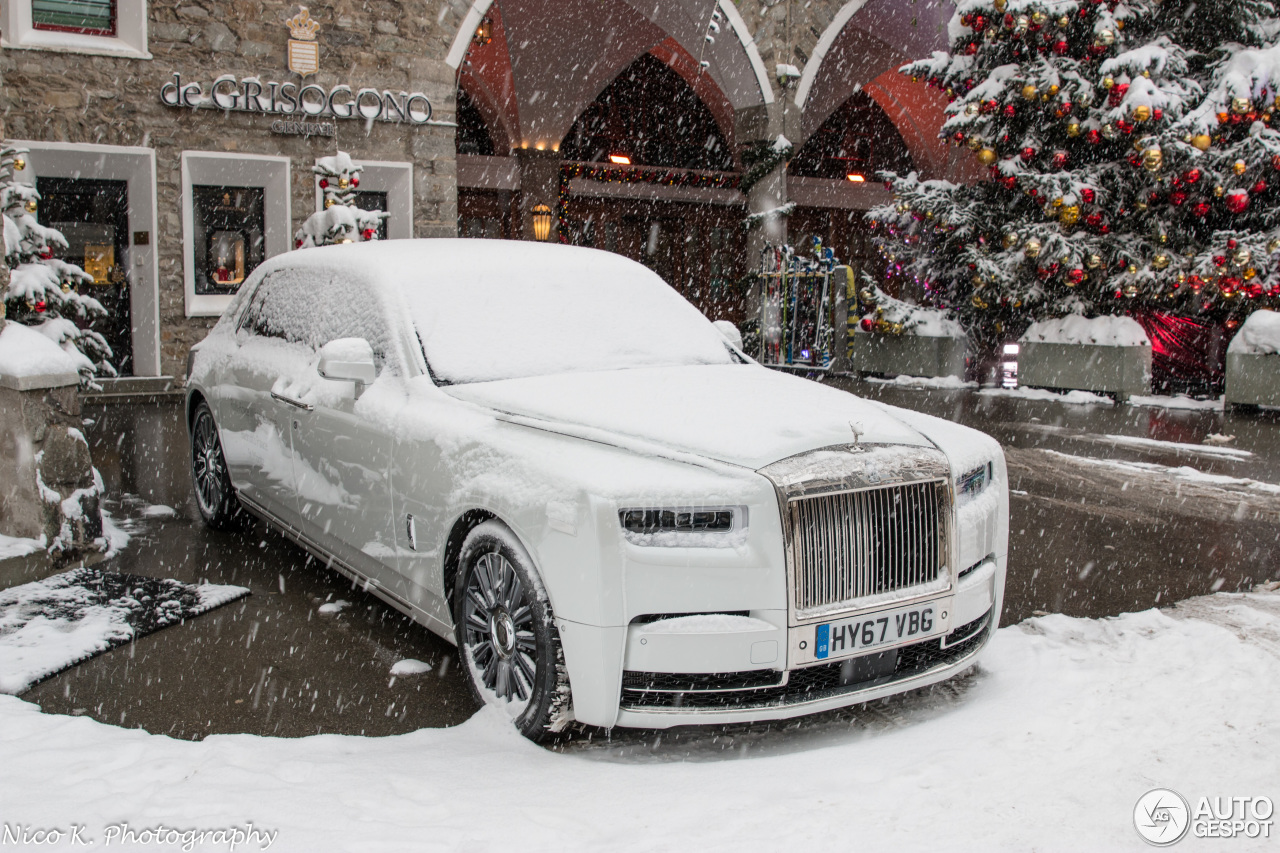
(972,483)
(684,527)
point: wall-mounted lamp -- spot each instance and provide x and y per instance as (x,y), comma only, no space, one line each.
(484,32)
(856,178)
(541,221)
(620,159)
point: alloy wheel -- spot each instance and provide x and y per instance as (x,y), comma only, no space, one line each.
(498,628)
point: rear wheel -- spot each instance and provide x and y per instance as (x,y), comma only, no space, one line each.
(219,507)
(507,635)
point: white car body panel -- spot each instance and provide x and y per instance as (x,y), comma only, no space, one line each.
(555,461)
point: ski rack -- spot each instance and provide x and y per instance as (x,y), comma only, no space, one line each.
(797,308)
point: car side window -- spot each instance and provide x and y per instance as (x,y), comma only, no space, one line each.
(312,308)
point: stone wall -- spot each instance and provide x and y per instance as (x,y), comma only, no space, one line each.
(398,45)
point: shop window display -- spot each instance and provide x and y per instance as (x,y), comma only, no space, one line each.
(229,232)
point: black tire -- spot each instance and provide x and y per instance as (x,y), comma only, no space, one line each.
(219,507)
(507,635)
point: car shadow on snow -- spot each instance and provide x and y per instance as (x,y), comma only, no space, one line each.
(778,737)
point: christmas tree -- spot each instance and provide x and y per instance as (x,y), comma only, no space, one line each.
(340,221)
(44,291)
(1130,159)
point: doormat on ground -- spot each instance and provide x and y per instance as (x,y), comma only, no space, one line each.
(49,625)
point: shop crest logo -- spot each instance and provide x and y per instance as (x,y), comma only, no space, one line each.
(304,51)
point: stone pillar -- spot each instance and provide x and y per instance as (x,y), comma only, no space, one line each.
(539,184)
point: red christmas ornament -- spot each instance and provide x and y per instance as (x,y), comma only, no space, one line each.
(1096,49)
(867,324)
(1059,160)
(1075,276)
(1060,47)
(1237,201)
(1116,95)
(1124,126)
(1157,114)
(1010,110)
(1219,260)
(1275,162)
(46,253)
(297,244)
(355,182)
(1028,153)
(1009,182)
(1177,197)
(1093,137)
(971,48)
(1093,220)
(1260,187)
(1255,290)
(979,23)
(965,19)
(1192,176)
(1087,195)
(1201,209)
(40,307)
(324,183)
(1135,159)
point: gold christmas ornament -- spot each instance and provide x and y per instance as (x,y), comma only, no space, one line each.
(971,109)
(1242,257)
(1020,24)
(1131,291)
(1108,82)
(328,202)
(1009,241)
(1093,261)
(1109,131)
(1152,159)
(1053,89)
(19,164)
(1133,269)
(1273,246)
(1218,191)
(1106,38)
(1240,106)
(1064,22)
(1000,4)
(975,143)
(1160,261)
(1073,128)
(1070,215)
(1250,273)
(1029,92)
(1201,141)
(342,183)
(978,302)
(31,205)
(987,157)
(1146,74)
(66,288)
(1239,167)
(1038,18)
(1141,113)
(1058,202)
(1032,248)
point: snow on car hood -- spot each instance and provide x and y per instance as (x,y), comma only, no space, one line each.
(741,414)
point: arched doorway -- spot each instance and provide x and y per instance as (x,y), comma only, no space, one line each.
(855,142)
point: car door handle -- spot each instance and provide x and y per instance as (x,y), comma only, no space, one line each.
(292,402)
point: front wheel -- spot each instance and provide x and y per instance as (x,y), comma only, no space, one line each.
(219,507)
(507,635)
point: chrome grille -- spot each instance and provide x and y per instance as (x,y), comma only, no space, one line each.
(852,545)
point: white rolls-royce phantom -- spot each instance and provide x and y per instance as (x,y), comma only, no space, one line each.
(547,456)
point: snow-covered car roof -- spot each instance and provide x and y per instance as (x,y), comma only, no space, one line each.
(502,309)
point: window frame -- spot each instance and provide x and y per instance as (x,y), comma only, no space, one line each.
(218,168)
(19,32)
(396,180)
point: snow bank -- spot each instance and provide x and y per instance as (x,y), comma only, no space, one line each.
(1180,401)
(924,382)
(17,546)
(1073,398)
(1258,335)
(1102,331)
(25,353)
(1048,746)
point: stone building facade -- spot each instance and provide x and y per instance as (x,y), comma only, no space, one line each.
(117,105)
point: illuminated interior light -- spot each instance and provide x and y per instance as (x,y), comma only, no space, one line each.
(855,177)
(620,159)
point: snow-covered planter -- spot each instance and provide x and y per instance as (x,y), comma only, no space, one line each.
(1108,355)
(49,490)
(901,339)
(1253,362)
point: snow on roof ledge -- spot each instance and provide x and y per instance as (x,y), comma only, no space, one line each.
(29,360)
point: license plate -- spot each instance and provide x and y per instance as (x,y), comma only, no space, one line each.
(884,628)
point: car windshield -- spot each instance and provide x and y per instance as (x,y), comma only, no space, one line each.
(541,310)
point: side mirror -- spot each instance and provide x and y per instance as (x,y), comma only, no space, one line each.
(348,359)
(730,332)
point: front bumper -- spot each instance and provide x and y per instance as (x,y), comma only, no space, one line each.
(691,678)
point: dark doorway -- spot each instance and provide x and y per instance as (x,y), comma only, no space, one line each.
(94,217)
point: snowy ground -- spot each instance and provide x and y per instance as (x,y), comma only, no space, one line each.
(1047,746)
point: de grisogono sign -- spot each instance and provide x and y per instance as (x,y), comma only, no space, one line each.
(306,101)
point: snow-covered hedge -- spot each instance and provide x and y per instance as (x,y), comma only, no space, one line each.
(1260,334)
(1099,331)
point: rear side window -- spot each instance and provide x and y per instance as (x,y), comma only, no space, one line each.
(312,308)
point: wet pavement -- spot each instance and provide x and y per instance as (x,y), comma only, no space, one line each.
(1088,538)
